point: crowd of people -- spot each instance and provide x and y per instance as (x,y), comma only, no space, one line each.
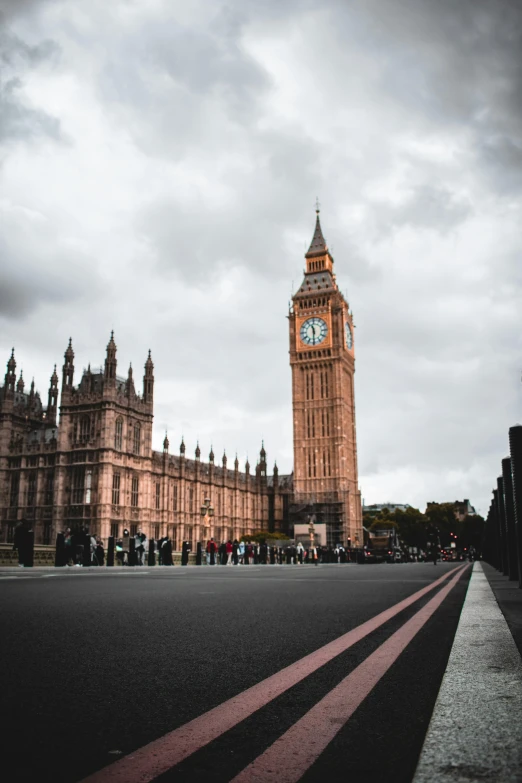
(81,548)
(251,552)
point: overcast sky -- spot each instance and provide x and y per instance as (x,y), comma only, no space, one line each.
(159,164)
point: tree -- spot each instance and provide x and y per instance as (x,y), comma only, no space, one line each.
(260,536)
(441,517)
(411,524)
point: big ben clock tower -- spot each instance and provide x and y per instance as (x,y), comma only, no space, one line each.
(322,358)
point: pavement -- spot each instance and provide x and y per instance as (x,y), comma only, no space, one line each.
(249,673)
(480,733)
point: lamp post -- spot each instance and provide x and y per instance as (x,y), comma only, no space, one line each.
(311,530)
(207,513)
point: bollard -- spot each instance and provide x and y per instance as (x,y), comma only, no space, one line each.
(151,557)
(110,551)
(59,558)
(515,449)
(198,553)
(184,553)
(29,549)
(132,551)
(509,511)
(503,525)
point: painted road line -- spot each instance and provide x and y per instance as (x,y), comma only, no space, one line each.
(475,731)
(307,739)
(152,760)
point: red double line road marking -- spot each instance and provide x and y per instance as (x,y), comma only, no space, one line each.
(152,760)
(304,742)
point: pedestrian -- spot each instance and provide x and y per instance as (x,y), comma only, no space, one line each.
(67,539)
(300,552)
(119,551)
(222,553)
(140,539)
(211,552)
(235,552)
(166,549)
(20,542)
(100,553)
(241,552)
(229,549)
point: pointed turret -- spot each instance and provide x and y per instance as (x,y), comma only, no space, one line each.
(31,394)
(110,362)
(198,451)
(318,246)
(236,464)
(224,459)
(247,467)
(52,399)
(148,381)
(166,444)
(211,456)
(318,259)
(129,384)
(10,378)
(182,447)
(68,368)
(20,385)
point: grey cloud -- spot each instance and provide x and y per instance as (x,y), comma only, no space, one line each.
(18,120)
(427,207)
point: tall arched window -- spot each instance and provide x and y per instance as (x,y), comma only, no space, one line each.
(118,434)
(85,428)
(137,439)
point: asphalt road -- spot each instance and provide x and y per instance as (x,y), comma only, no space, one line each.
(97,663)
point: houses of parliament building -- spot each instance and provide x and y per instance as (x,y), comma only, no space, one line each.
(86,458)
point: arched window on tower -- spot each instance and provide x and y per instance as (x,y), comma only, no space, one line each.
(85,428)
(137,439)
(118,434)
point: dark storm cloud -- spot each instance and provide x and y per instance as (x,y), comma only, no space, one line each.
(449,64)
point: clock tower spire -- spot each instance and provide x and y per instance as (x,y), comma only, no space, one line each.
(322,360)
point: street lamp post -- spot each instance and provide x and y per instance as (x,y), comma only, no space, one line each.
(311,530)
(207,513)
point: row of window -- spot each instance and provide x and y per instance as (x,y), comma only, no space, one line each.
(31,489)
(83,431)
(323,419)
(317,385)
(172,497)
(136,436)
(318,464)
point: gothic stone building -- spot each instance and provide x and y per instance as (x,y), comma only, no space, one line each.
(95,467)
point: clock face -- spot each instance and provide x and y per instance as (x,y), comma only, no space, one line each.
(313,331)
(349,336)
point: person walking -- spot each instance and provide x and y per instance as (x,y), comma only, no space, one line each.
(20,542)
(166,552)
(229,548)
(140,539)
(235,552)
(241,552)
(211,552)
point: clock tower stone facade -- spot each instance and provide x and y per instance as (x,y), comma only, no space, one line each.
(322,359)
